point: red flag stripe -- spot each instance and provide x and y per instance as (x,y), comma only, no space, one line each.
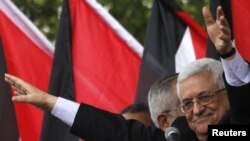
(120,31)
(106,68)
(29,56)
(199,36)
(26,26)
(241,23)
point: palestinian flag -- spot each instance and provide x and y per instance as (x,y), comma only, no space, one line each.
(26,53)
(241,23)
(96,62)
(173,39)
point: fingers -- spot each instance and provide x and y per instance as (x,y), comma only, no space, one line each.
(223,21)
(19,98)
(225,32)
(19,91)
(221,44)
(207,16)
(13,80)
(26,93)
(224,26)
(16,84)
(219,12)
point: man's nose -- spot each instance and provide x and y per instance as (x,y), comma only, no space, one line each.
(198,108)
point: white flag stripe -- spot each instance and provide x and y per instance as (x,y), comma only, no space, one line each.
(185,53)
(26,26)
(116,26)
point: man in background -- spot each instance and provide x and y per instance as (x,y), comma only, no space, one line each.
(164,104)
(139,112)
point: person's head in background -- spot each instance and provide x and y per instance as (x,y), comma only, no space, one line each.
(201,89)
(164,102)
(139,112)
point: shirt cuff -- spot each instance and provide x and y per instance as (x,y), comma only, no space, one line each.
(65,110)
(237,71)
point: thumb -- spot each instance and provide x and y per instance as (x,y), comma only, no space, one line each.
(207,16)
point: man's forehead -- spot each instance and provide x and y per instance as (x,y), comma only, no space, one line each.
(196,85)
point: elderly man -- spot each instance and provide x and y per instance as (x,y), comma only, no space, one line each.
(164,107)
(163,102)
(201,90)
(203,95)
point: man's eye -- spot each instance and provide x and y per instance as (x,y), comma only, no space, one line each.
(204,97)
(188,103)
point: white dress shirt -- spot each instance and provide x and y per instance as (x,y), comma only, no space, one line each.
(237,71)
(65,110)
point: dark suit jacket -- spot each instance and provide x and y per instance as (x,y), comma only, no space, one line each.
(93,124)
(186,133)
(239,99)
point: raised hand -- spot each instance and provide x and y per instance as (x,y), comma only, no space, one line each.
(218,30)
(26,93)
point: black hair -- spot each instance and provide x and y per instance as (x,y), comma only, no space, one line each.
(135,108)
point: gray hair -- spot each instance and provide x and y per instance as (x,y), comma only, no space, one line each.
(209,65)
(162,97)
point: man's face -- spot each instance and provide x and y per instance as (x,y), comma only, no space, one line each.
(201,116)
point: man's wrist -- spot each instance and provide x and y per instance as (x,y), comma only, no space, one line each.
(50,102)
(228,55)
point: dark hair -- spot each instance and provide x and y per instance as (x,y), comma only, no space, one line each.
(135,108)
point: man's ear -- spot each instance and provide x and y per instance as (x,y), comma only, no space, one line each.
(162,120)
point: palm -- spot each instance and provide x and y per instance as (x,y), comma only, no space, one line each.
(26,93)
(213,32)
(218,31)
